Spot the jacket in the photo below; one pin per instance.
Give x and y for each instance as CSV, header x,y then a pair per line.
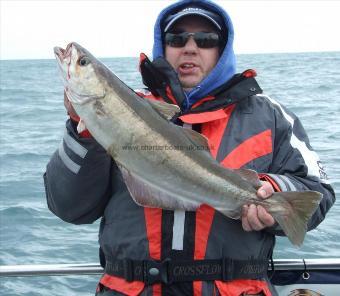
x,y
244,130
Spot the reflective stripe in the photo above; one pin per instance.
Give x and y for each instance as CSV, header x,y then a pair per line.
x,y
284,182
289,183
68,162
310,157
74,145
279,182
178,230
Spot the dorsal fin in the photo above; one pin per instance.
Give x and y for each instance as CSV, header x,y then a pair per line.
x,y
81,126
166,110
169,111
200,141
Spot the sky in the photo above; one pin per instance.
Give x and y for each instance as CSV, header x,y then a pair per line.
x,y
112,28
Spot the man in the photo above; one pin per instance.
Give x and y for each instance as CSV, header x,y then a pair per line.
x,y
153,251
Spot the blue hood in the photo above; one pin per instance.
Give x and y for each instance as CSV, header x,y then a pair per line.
x,y
226,66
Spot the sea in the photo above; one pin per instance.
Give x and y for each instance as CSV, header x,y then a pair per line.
x,y
32,118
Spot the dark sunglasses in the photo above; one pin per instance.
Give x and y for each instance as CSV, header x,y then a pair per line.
x,y
202,39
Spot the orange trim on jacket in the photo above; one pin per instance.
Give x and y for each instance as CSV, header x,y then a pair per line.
x,y
243,287
254,147
203,117
153,222
204,217
214,130
121,285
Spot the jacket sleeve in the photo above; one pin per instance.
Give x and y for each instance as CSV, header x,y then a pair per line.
x,y
77,178
296,166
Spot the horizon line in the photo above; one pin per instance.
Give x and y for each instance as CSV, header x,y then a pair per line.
x,y
237,54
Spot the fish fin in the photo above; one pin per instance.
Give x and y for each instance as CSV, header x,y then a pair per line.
x,y
250,176
200,141
148,194
164,109
81,126
292,210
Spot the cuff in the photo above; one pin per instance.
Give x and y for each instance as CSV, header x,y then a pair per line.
x,y
265,177
282,182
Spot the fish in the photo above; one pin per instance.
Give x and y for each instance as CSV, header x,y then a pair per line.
x,y
165,165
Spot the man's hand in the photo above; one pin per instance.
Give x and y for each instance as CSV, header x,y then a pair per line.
x,y
256,217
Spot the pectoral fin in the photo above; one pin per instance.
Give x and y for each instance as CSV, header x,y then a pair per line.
x,y
148,194
81,126
250,176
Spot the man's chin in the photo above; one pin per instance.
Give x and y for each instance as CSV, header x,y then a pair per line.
x,y
189,85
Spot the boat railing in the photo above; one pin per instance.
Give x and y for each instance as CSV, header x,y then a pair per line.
x,y
95,268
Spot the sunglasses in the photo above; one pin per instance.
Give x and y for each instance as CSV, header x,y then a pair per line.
x,y
202,39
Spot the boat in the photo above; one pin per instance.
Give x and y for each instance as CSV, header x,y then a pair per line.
x,y
291,277
306,277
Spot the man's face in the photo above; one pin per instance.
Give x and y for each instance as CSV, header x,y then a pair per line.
x,y
191,62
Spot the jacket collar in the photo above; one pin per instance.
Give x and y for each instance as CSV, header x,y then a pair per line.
x,y
162,80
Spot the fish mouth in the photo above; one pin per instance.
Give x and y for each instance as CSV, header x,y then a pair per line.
x,y
61,53
64,58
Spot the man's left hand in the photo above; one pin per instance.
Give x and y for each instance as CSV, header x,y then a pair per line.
x,y
255,217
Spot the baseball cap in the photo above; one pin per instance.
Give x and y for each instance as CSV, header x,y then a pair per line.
x,y
213,17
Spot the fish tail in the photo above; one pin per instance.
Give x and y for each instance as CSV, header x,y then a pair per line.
x,y
292,210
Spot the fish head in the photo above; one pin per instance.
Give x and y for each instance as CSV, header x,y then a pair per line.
x,y
79,71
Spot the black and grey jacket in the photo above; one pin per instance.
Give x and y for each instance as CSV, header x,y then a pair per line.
x,y
247,130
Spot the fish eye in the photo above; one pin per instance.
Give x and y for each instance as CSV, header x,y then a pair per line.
x,y
84,61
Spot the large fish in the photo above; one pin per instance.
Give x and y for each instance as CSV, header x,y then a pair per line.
x,y
164,165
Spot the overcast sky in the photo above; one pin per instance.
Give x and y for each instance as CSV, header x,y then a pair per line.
x,y
111,28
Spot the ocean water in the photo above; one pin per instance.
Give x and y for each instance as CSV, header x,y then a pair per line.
x,y
32,120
